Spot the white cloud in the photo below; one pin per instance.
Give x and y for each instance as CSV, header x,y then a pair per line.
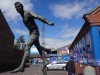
x,y
73,9
66,37
67,32
57,43
34,50
8,9
22,32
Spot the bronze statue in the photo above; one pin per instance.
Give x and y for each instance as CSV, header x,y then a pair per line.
x,y
28,19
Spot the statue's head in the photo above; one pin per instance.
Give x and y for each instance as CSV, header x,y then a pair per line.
x,y
18,6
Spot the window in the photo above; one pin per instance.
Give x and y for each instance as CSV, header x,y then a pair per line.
x,y
89,48
80,51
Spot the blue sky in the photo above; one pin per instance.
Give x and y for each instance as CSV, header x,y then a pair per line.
x,y
66,14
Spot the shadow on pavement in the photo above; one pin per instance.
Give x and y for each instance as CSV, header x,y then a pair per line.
x,y
10,69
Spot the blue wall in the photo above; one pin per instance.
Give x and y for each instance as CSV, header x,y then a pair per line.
x,y
96,42
94,47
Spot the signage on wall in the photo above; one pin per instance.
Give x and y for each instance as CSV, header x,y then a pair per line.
x,y
65,51
53,59
52,54
65,57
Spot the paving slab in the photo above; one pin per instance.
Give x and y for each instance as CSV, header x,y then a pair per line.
x,y
35,70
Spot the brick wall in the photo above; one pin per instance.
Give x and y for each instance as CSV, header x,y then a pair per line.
x,y
8,57
13,61
6,42
81,69
6,49
91,19
17,57
94,19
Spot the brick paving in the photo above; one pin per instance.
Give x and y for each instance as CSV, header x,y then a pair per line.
x,y
34,70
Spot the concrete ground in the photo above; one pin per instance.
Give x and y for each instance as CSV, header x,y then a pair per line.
x,y
35,70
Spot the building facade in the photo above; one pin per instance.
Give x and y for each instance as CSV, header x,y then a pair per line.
x,y
63,52
86,46
6,42
9,57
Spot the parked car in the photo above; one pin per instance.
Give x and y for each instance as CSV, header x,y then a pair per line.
x,y
60,64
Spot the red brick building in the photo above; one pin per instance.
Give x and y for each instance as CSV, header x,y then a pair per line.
x,y
6,42
8,56
86,46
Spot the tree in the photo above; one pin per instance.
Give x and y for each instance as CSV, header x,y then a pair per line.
x,y
20,42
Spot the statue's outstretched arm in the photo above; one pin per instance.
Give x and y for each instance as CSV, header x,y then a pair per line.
x,y
41,18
